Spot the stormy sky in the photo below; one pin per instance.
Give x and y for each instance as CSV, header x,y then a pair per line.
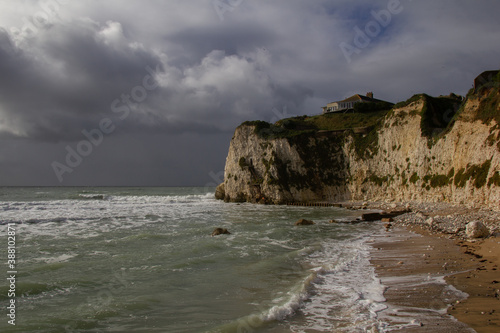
x,y
148,93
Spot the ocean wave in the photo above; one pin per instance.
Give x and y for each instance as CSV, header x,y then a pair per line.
x,y
56,260
286,307
26,289
343,291
294,301
93,196
340,292
172,199
35,221
98,207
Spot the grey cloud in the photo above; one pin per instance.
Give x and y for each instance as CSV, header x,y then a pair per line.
x,y
80,69
65,79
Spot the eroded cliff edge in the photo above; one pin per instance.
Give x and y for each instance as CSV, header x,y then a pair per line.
x,y
426,149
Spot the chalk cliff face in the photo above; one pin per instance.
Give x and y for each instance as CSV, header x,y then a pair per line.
x,y
421,150
284,170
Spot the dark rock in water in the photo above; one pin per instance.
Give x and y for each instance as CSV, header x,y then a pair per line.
x,y
220,231
371,217
304,222
383,215
220,192
346,222
395,212
388,226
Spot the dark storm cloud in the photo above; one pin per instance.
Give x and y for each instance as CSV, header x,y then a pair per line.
x,y
65,79
197,43
207,71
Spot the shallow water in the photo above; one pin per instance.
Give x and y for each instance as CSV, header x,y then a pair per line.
x,y
143,260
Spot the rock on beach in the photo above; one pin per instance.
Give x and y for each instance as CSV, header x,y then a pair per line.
x,y
220,231
476,229
304,222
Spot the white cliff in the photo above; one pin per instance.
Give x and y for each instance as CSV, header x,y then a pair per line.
x,y
399,160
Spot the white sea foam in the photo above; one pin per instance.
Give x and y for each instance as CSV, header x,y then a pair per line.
x,y
97,213
94,196
341,293
344,292
27,300
289,308
58,259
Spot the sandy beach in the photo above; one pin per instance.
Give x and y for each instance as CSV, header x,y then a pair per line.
x,y
437,280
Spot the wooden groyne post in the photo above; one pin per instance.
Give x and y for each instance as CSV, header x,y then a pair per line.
x,y
314,204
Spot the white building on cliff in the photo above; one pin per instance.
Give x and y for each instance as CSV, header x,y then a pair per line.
x,y
348,103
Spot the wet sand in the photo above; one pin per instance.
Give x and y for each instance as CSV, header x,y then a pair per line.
x,y
482,309
427,277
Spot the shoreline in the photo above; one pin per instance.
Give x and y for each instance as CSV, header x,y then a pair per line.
x,y
436,279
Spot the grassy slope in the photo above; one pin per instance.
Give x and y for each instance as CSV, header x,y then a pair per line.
x,y
291,127
343,121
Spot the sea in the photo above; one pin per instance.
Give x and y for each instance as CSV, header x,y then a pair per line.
x,y
142,259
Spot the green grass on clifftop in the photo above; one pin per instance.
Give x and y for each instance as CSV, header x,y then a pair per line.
x,y
292,127
344,121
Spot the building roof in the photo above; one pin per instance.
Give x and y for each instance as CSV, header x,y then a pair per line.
x,y
359,97
353,99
